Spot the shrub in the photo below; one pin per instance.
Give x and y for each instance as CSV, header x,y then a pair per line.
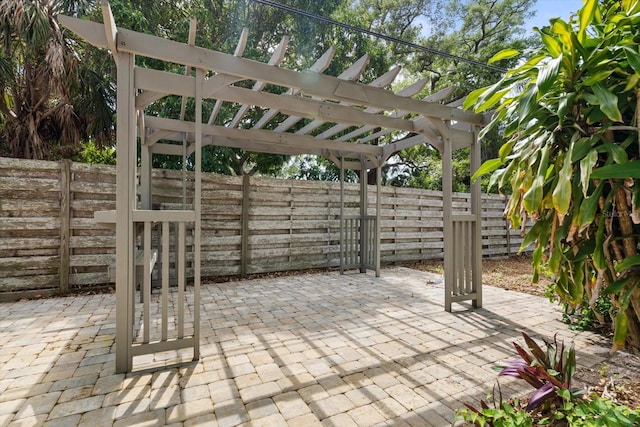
x,y
553,402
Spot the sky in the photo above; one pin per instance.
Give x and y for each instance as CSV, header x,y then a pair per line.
x,y
547,9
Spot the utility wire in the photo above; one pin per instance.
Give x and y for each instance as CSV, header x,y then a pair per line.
x,y
378,35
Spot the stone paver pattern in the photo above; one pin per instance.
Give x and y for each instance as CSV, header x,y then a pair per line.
x,y
303,350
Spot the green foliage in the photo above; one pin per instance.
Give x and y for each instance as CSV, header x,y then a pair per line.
x,y
593,412
460,35
92,153
550,372
477,30
49,99
319,169
587,317
568,115
554,403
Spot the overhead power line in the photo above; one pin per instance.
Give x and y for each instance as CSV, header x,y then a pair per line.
x,y
378,35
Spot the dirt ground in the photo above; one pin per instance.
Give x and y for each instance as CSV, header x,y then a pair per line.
x,y
618,378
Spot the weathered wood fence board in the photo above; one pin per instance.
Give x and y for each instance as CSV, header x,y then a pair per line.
x,y
49,241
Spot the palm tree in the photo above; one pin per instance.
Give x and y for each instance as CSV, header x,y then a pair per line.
x,y
49,99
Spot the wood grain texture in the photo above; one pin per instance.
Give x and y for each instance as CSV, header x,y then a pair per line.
x,y
288,225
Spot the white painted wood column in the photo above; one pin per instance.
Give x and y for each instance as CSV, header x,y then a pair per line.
x,y
476,209
197,206
343,246
364,205
378,215
447,220
146,188
126,155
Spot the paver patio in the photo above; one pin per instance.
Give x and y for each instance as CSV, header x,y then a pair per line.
x,y
306,350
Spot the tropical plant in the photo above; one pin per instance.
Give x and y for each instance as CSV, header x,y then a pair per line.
x,y
554,402
550,372
569,115
49,101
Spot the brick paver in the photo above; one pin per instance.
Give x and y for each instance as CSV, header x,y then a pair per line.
x,y
299,351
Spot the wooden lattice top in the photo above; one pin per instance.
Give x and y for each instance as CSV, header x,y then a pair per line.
x,y
351,114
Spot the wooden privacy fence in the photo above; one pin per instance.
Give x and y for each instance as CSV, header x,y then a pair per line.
x,y
50,242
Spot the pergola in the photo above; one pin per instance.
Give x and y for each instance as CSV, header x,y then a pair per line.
x,y
351,115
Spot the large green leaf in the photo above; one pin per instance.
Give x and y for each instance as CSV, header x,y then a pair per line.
x,y
490,101
599,260
627,263
532,199
586,166
553,47
562,193
616,287
576,284
487,167
633,57
505,149
547,75
504,54
615,151
528,103
563,105
587,14
620,171
597,77
471,99
582,146
632,82
608,102
621,327
589,207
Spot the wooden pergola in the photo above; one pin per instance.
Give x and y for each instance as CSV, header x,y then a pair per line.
x,y
351,115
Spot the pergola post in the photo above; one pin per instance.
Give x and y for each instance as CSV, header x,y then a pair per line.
x,y
145,167
197,207
364,204
447,220
126,154
343,246
462,233
378,216
476,209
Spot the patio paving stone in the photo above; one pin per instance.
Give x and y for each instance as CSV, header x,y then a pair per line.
x,y
299,351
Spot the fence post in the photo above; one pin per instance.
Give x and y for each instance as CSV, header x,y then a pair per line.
x,y
506,224
65,223
244,251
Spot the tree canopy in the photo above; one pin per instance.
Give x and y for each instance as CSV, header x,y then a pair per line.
x,y
51,99
68,104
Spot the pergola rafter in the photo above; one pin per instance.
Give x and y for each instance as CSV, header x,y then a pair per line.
x,y
355,125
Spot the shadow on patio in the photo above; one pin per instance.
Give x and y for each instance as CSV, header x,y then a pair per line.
x,y
313,349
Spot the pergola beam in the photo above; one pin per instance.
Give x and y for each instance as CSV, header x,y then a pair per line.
x,y
313,84
352,73
384,80
319,66
278,139
276,59
159,81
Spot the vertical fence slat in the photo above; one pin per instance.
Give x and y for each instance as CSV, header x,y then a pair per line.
x,y
145,286
181,277
65,224
244,233
165,279
468,258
